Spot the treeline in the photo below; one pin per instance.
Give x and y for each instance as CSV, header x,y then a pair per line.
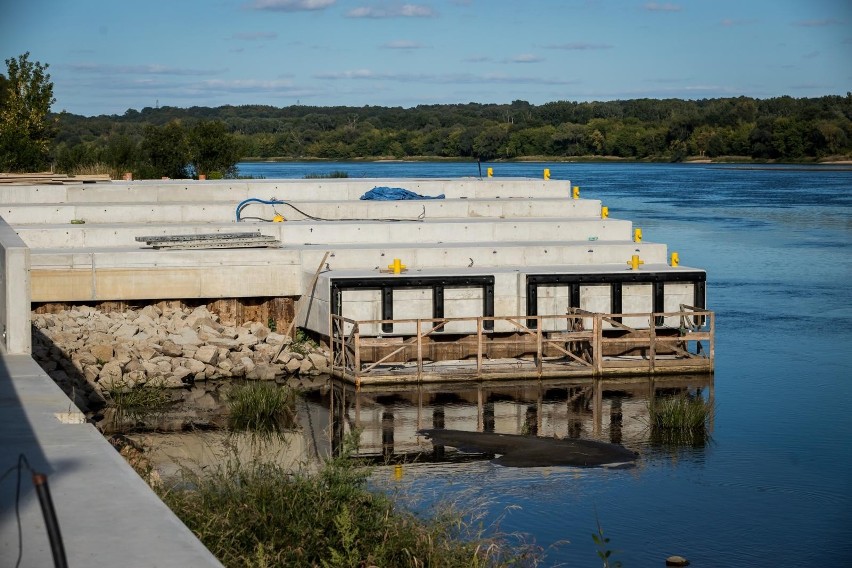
x,y
151,151
783,129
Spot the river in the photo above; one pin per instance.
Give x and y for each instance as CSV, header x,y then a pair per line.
x,y
772,487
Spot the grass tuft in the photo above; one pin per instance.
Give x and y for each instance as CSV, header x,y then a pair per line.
x,y
329,175
261,407
680,420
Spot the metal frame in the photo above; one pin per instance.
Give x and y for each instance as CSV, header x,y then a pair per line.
x,y
437,284
616,282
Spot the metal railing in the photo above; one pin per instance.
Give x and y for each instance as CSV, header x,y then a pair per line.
x,y
537,346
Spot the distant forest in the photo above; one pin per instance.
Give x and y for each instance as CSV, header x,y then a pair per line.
x,y
780,129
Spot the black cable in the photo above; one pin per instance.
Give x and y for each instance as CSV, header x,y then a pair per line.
x,y
49,513
420,217
313,218
22,459
54,535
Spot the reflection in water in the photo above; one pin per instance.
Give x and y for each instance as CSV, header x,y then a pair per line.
x,y
389,417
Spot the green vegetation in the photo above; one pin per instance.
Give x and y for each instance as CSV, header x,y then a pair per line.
x,y
680,420
26,129
741,128
261,515
261,407
604,552
139,399
330,175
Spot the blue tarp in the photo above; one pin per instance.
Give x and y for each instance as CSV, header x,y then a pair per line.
x,y
395,194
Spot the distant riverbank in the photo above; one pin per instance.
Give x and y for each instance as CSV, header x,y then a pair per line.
x,y
832,160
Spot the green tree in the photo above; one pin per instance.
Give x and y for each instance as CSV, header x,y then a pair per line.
x,y
213,149
167,150
25,128
491,142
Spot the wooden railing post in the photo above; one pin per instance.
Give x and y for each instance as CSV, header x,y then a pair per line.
x,y
419,353
652,343
479,347
597,343
712,320
539,348
356,337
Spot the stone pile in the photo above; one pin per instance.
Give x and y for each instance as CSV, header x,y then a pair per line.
x,y
91,353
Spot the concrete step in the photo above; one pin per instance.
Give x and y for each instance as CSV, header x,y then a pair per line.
x,y
194,212
123,273
169,191
473,230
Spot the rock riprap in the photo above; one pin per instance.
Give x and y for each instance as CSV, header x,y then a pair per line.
x,y
91,353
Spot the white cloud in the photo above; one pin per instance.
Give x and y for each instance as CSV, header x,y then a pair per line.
x,y
817,23
579,46
391,10
525,58
254,36
151,69
290,5
402,44
667,7
441,78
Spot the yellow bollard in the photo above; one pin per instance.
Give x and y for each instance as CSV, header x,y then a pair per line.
x,y
576,193
279,218
634,262
637,235
397,472
490,172
397,266
604,212
675,259
546,173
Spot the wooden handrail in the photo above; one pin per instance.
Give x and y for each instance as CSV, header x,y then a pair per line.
x,y
346,348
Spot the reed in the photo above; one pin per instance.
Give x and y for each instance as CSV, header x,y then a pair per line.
x,y
680,412
328,175
139,399
97,168
261,407
261,515
680,420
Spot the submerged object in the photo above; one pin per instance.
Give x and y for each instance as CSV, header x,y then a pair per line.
x,y
532,451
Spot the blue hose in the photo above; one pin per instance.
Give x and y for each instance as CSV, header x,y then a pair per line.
x,y
245,202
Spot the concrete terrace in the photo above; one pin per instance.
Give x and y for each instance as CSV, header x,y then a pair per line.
x,y
481,224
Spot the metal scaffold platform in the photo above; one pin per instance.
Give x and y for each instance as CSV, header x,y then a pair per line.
x,y
211,241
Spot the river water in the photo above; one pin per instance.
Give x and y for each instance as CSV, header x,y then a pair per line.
x,y
773,485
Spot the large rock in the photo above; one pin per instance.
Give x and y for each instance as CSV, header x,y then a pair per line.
x,y
208,354
126,330
178,378
152,312
306,366
171,349
247,340
292,366
277,339
198,314
247,364
194,365
111,377
187,336
320,362
102,352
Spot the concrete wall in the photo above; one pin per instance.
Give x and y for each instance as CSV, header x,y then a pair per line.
x,y
234,191
14,292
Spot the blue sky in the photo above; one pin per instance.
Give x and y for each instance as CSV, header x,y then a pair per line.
x,y
107,56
